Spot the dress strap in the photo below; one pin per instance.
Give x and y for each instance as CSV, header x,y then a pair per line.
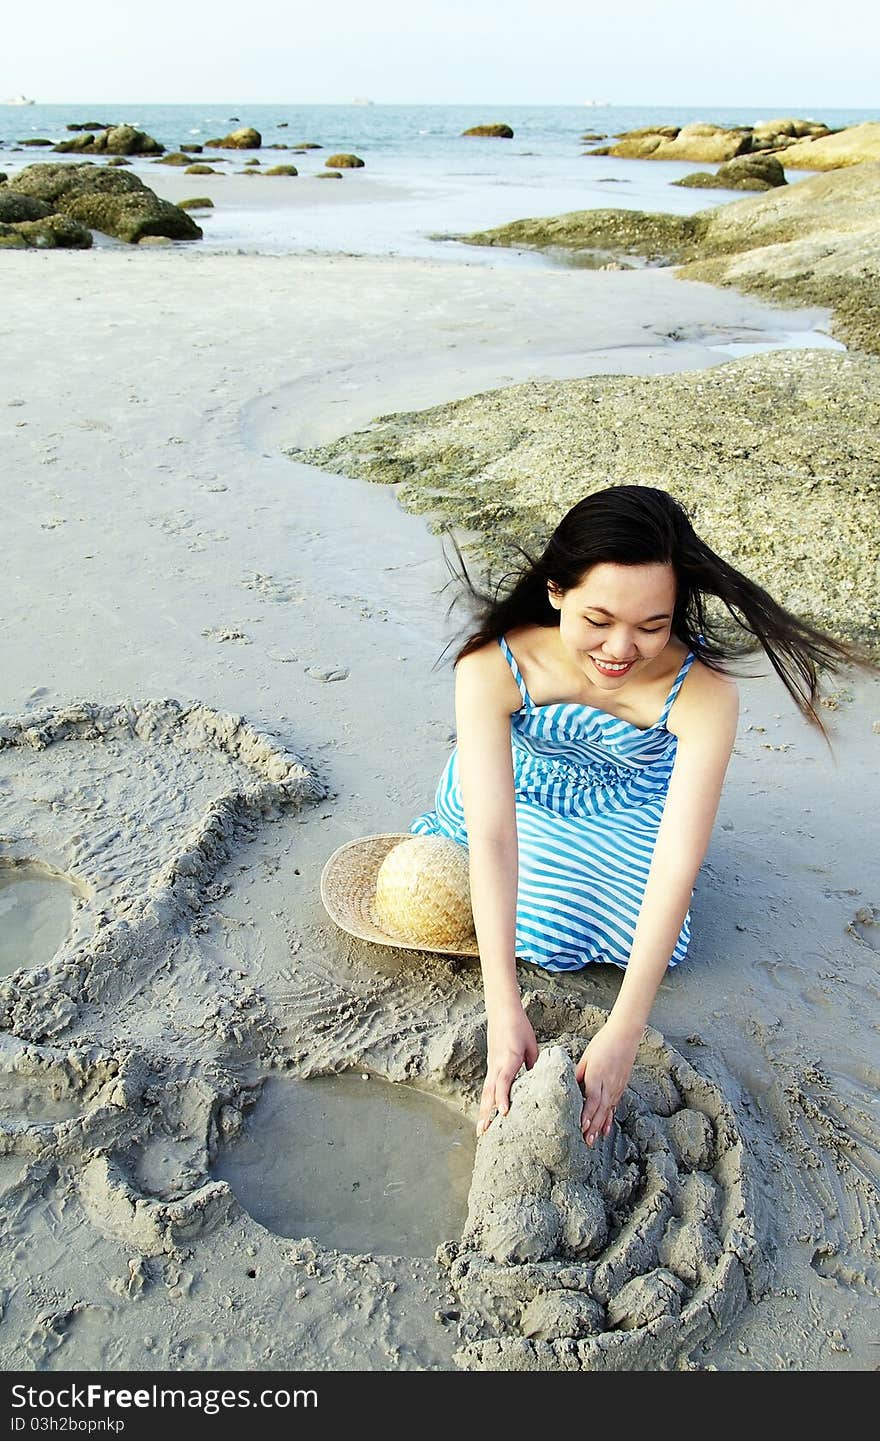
x,y
677,684
511,661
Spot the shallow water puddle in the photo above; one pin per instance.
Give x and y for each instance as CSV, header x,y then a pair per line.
x,y
360,1166
35,911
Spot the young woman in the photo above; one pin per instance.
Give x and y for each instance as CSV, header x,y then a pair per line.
x,y
595,722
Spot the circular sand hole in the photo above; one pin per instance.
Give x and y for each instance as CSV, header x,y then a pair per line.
x,y
36,905
360,1166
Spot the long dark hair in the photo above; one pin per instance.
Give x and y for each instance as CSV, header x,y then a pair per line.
x,y
641,525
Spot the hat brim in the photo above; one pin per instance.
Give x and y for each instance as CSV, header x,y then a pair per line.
x,y
348,889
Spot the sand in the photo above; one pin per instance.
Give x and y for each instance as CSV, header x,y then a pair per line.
x,y
217,668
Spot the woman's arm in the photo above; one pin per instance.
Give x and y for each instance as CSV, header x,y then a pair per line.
x,y
482,711
705,723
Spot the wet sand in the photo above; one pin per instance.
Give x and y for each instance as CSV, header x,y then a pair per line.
x,y
164,549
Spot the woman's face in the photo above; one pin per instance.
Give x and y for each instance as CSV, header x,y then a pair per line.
x,y
616,619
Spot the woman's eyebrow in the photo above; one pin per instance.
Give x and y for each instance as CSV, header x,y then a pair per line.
x,y
602,611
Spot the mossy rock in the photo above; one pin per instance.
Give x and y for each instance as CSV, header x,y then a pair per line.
x,y
497,132
192,149
343,162
92,125
118,160
176,157
281,170
36,142
244,139
659,238
329,175
200,170
307,145
117,140
112,201
198,202
746,172
15,207
252,162
3,177
131,217
53,232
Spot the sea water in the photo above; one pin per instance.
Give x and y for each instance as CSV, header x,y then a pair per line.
x,y
422,179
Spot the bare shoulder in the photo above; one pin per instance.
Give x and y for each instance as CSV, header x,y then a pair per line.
x,y
707,704
484,678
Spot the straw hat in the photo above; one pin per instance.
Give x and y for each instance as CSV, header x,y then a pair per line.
x,y
402,890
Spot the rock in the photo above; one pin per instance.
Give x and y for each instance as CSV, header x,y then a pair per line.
x,y
198,202
281,170
329,175
308,145
855,146
657,237
499,132
646,1299
343,162
772,132
176,157
117,140
3,177
15,207
155,240
36,142
92,125
591,135
745,172
813,243
200,170
118,160
252,162
111,201
192,149
693,142
244,139
52,233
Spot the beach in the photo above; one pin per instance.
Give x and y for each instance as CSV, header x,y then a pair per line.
x,y
219,665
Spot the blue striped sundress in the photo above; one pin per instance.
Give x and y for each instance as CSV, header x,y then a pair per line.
x,y
590,790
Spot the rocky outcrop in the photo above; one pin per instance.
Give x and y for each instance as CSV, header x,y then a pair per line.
x,y
692,142
117,140
498,132
201,170
778,134
344,162
858,145
745,172
37,143
51,233
112,201
92,125
816,242
15,207
281,170
777,454
244,139
608,234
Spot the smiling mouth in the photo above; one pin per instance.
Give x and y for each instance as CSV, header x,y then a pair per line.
x,y
605,669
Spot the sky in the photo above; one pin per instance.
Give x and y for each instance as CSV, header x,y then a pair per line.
x,y
782,54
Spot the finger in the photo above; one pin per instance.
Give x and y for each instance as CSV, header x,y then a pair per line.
x,y
531,1054
593,1115
600,1125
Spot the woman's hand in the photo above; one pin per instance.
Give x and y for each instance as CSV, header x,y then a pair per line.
x,y
510,1042
602,1073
